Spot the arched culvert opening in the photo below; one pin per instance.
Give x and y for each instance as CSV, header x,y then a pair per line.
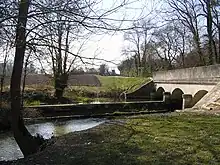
x,y
159,94
176,99
200,94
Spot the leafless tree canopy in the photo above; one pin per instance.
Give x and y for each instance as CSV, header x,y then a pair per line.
x,y
186,34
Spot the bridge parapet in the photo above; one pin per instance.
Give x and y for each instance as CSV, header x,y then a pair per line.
x,y
213,81
186,86
195,74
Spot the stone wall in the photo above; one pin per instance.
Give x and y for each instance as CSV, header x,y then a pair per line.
x,y
211,100
142,93
211,72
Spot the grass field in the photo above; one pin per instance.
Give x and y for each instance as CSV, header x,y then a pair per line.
x,y
141,140
122,83
111,88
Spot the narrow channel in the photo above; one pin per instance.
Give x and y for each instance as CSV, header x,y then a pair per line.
x,y
9,149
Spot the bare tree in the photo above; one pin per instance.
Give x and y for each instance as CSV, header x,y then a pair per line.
x,y
207,13
216,22
167,46
25,73
139,39
29,31
183,42
56,33
186,11
21,134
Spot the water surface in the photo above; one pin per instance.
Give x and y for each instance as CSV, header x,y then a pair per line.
x,y
9,149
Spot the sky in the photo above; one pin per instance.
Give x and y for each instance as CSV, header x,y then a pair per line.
x,y
109,46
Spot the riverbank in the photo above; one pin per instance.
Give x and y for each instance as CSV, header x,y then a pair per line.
x,y
177,138
109,90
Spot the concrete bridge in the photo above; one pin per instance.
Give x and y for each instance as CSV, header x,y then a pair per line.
x,y
184,87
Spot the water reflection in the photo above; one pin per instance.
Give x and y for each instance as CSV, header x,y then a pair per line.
x,y
9,149
44,129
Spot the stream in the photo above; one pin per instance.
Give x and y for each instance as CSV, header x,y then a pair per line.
x,y
9,149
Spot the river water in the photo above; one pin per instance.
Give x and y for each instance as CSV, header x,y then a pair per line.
x,y
9,149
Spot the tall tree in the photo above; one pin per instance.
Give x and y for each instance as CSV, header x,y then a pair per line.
x,y
103,70
30,24
26,142
167,50
186,11
60,35
138,39
127,67
216,22
207,9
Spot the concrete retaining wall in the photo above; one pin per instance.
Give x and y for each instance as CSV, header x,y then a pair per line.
x,y
142,93
101,108
203,72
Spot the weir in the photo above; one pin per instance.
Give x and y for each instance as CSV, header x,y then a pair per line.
x,y
168,90
94,109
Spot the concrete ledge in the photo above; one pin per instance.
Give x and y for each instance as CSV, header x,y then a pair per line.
x,y
107,115
96,109
196,82
142,93
202,72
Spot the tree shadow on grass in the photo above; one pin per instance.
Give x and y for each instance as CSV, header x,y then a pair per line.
x,y
104,145
137,143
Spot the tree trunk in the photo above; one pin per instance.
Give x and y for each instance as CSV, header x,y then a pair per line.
x,y
199,51
136,65
24,79
26,142
209,31
219,43
60,85
215,51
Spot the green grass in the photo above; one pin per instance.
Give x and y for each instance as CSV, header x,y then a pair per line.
x,y
32,102
111,87
122,83
110,90
184,139
156,139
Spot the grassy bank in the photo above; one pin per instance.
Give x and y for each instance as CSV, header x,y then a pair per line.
x,y
111,88
155,139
